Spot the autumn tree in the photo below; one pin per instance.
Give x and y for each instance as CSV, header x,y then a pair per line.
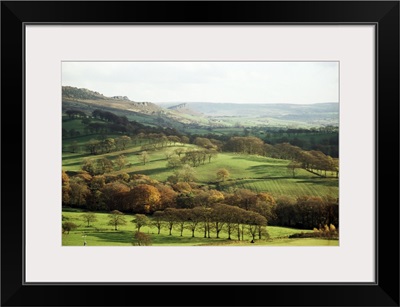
x,y
195,217
230,216
120,161
266,206
93,146
137,179
222,174
89,166
95,200
170,216
140,220
88,217
185,139
285,211
104,165
174,162
78,192
292,167
157,220
168,154
182,216
204,142
193,157
173,139
245,198
215,196
309,210
116,218
68,226
144,198
205,217
168,196
186,173
245,145
144,157
254,223
179,151
218,217
114,195
85,176
287,151
66,188
123,177
108,144
123,141
211,153
331,210
141,239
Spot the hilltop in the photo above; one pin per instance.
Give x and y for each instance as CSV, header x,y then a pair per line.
x,y
203,115
84,98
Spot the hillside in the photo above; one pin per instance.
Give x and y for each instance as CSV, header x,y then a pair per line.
x,y
195,115
317,114
73,96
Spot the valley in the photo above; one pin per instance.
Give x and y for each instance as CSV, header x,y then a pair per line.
x,y
277,165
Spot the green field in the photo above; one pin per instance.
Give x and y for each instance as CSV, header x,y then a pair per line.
x,y
257,173
101,234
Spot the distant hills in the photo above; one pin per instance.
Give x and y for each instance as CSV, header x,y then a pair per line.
x,y
75,96
258,109
205,114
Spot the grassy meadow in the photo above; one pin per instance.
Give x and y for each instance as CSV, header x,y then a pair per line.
x,y
99,233
261,174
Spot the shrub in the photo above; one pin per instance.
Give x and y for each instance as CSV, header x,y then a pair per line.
x,y
141,239
68,226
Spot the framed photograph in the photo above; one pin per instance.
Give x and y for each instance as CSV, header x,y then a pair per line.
x,y
242,149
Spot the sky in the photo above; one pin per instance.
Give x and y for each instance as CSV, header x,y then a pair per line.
x,y
238,82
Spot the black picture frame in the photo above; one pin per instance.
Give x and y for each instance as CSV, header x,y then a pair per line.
x,y
383,14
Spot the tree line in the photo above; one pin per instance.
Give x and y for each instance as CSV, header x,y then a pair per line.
x,y
112,123
313,160
140,194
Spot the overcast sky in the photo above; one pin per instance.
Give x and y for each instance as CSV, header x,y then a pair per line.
x,y
239,82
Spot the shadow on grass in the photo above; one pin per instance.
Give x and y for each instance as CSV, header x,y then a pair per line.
x,y
73,163
126,237
154,171
116,237
76,156
300,179
323,182
178,240
261,159
264,169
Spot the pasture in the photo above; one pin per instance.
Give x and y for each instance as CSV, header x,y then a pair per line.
x,y
99,233
257,173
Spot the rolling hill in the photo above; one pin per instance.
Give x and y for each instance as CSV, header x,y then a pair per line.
x,y
204,114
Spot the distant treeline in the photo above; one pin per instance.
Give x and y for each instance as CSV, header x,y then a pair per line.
x,y
158,136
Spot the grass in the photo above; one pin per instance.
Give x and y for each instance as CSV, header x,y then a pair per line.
x,y
102,234
287,186
257,173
